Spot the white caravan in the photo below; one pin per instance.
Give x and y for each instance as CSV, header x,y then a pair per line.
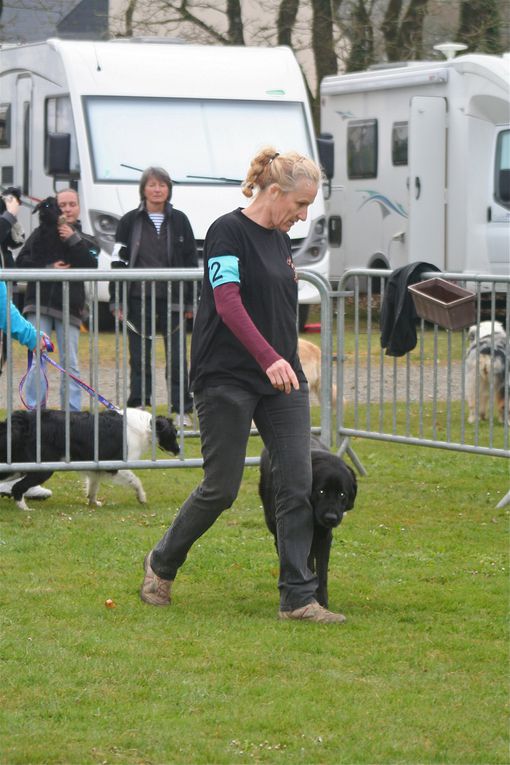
x,y
421,166
95,114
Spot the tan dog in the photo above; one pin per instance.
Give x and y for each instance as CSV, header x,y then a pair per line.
x,y
310,357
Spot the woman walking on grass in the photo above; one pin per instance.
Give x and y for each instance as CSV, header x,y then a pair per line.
x,y
244,367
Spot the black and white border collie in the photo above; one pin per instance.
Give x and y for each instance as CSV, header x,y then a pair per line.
x,y
81,445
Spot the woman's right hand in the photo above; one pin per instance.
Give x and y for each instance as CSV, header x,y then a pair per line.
x,y
12,205
45,344
282,376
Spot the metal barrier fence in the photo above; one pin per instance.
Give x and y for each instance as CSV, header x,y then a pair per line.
x,y
419,399
104,360
425,397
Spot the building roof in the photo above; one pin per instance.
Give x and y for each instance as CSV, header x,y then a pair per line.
x,y
31,20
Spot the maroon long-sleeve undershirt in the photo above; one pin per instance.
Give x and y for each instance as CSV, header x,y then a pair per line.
x,y
233,314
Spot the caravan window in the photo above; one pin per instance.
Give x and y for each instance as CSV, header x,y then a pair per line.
x,y
5,125
199,141
502,174
399,135
362,149
59,119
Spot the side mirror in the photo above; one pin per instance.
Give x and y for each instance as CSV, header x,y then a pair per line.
x,y
58,155
326,148
504,186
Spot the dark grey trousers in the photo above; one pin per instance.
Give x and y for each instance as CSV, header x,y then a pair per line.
x,y
140,390
225,414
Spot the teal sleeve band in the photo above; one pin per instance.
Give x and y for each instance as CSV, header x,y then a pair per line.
x,y
223,269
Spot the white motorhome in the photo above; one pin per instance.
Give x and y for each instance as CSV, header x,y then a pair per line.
x,y
421,165
95,114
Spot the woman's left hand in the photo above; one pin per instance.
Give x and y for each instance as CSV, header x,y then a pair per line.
x,y
282,376
65,231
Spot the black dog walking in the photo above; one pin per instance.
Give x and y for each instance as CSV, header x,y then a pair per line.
x,y
334,488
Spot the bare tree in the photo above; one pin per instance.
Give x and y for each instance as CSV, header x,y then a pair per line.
x,y
323,44
402,29
358,28
287,14
129,17
480,25
327,35
235,22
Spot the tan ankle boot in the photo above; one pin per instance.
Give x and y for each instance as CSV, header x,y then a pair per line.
x,y
154,590
313,612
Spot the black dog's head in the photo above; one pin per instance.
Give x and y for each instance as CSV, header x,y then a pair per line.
x,y
49,212
167,434
334,488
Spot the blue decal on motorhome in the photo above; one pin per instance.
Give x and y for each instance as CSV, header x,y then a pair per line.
x,y
386,205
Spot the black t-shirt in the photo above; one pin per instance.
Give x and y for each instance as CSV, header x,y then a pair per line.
x,y
268,287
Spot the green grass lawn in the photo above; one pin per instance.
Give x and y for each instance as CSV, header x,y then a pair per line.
x,y
418,674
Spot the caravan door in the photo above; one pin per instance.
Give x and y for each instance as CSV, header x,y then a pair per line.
x,y
427,180
498,214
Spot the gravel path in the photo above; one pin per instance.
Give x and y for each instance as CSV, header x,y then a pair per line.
x,y
432,382
400,385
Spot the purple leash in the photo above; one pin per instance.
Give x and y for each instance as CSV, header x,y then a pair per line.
x,y
45,358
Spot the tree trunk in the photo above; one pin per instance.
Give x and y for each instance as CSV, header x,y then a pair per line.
x,y
389,28
287,14
411,31
322,39
362,40
235,22
403,38
323,47
129,17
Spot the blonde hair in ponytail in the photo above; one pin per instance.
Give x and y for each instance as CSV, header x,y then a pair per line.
x,y
268,167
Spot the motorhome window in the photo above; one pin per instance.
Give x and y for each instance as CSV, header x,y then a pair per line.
x,y
399,135
212,140
362,149
502,174
5,125
59,119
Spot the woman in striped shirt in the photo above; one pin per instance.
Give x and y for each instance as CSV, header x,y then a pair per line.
x,y
155,235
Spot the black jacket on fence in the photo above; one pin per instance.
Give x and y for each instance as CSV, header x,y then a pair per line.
x,y
398,315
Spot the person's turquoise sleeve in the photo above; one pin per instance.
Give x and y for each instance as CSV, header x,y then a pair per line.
x,y
21,329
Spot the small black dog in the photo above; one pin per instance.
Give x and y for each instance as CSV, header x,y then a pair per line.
x,y
334,488
82,440
47,244
49,212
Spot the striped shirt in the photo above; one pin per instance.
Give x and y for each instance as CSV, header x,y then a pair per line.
x,y
157,219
